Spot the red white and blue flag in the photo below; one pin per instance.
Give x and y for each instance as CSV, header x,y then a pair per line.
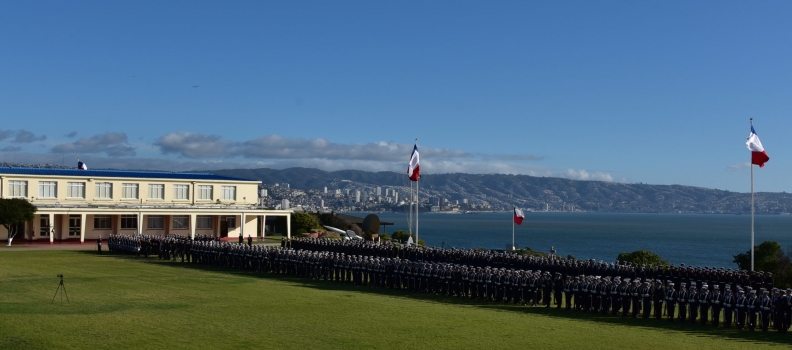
x,y
758,154
518,216
81,165
414,169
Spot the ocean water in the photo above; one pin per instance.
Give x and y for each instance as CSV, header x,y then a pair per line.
x,y
692,239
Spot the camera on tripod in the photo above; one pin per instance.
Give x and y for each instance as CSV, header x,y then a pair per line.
x,y
61,289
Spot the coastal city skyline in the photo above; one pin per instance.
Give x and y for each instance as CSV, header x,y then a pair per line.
x,y
649,93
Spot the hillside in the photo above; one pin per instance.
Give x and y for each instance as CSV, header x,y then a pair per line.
x,y
536,193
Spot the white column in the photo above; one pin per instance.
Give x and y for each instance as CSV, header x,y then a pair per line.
x,y
263,227
242,228
51,228
140,223
82,228
288,226
193,224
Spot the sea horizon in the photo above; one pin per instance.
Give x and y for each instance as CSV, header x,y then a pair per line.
x,y
680,238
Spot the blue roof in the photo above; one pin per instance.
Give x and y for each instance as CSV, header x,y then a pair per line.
x,y
117,173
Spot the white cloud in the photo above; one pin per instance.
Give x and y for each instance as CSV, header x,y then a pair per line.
x,y
20,136
577,174
211,152
194,145
113,144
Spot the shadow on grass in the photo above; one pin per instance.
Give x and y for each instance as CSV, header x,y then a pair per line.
x,y
696,329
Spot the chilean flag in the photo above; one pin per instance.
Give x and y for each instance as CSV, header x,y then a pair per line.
x,y
518,216
414,169
758,154
81,165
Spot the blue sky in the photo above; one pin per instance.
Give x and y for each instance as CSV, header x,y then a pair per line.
x,y
652,92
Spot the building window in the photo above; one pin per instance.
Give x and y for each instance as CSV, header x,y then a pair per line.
x,y
156,191
181,192
229,193
155,222
103,222
44,226
129,222
75,225
129,191
48,189
75,190
181,222
104,190
231,220
205,192
204,222
17,189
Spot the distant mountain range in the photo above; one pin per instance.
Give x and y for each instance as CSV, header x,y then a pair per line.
x,y
535,193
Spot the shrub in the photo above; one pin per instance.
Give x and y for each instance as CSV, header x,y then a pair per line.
x,y
642,257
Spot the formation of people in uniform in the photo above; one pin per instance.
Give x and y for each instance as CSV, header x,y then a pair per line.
x,y
709,296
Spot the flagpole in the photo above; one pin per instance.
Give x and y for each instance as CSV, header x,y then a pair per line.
x,y
752,210
514,210
417,201
410,215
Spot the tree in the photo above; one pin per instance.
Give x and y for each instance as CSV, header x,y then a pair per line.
x,y
13,212
766,257
769,257
334,221
303,222
642,257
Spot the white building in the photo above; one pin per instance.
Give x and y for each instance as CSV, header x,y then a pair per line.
x,y
285,204
88,204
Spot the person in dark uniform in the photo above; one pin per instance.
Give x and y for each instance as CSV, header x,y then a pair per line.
x,y
693,302
716,303
558,287
729,303
753,308
99,245
671,299
241,239
626,295
547,289
635,292
741,309
568,292
659,295
765,306
250,241
704,304
646,299
682,301
778,310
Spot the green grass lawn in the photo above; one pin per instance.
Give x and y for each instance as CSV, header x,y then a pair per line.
x,y
122,302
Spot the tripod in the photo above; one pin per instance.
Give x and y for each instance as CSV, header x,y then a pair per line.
x,y
62,290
